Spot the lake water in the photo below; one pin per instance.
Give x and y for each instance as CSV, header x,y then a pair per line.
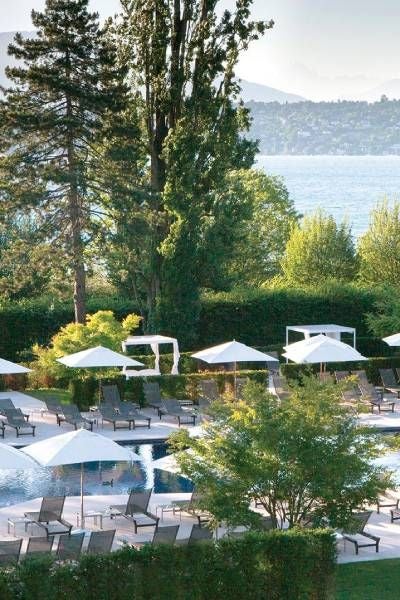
x,y
20,486
345,186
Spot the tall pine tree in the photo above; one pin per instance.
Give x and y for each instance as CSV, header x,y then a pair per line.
x,y
182,57
52,121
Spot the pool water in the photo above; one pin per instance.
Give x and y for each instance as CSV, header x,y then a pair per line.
x,y
20,486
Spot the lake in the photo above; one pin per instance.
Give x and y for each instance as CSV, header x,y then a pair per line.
x,y
345,186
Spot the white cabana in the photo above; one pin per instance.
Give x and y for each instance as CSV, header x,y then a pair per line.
x,y
154,342
76,447
321,349
332,331
392,340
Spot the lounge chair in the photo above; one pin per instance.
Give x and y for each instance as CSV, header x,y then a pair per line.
x,y
139,419
10,551
100,542
16,420
72,415
361,376
376,400
50,516
362,539
389,381
137,511
192,507
241,382
8,404
326,377
340,375
111,396
54,407
388,500
110,415
70,548
208,390
172,408
39,546
162,535
153,398
198,535
281,387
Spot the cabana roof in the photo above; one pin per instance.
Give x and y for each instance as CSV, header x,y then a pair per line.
x,y
316,329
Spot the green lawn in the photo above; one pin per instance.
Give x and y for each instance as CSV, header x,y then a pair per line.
x,y
372,580
63,396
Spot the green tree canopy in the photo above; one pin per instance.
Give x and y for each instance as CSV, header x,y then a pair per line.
x,y
261,239
181,56
318,250
304,459
379,247
65,84
100,329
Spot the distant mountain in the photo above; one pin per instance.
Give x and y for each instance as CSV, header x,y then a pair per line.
x,y
257,92
390,88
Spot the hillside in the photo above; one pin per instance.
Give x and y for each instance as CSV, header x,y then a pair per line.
x,y
257,92
327,127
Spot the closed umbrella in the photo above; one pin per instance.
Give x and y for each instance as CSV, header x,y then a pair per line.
x,y
233,352
321,349
76,447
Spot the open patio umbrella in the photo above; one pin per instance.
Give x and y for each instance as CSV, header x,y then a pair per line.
x,y
232,352
98,357
392,340
11,458
10,368
321,349
76,447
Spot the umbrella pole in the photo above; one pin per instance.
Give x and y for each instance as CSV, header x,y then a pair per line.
x,y
234,381
81,494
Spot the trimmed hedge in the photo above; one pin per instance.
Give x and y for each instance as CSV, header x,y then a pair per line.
x,y
290,565
85,393
257,317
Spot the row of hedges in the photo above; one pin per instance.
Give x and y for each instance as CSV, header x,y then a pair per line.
x,y
256,317
85,392
277,565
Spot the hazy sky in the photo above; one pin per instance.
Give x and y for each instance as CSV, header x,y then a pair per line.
x,y
318,48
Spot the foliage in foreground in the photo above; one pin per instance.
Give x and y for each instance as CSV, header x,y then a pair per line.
x,y
306,459
290,565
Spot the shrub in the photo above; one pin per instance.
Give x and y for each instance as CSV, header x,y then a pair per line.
x,y
290,565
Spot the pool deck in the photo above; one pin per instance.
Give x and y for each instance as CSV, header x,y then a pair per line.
x,y
379,525
46,425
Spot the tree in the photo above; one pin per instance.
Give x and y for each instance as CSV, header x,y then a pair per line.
x,y
318,250
182,58
385,320
304,459
65,84
262,238
100,329
379,247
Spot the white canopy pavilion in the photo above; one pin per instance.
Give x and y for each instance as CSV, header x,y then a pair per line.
x,y
331,330
154,342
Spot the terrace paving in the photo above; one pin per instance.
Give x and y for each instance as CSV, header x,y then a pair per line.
x,y
46,425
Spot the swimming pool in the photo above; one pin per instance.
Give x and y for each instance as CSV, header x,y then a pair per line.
x,y
100,478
